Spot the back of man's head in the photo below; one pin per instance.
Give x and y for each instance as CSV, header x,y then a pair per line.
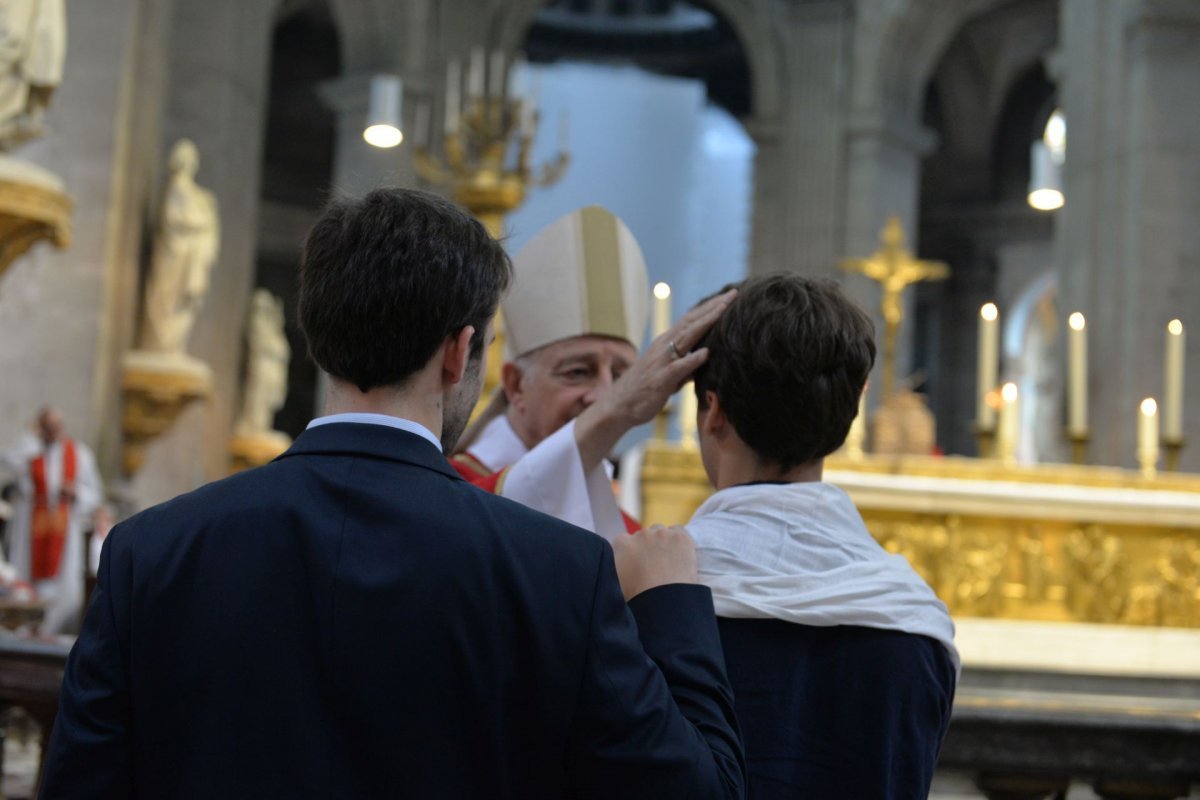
x,y
387,277
788,361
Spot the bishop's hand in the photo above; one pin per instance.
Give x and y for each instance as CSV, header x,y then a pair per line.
x,y
646,386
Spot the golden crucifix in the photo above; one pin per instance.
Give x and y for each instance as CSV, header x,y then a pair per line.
x,y
894,268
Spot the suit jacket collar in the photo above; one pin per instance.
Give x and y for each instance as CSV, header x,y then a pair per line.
x,y
372,441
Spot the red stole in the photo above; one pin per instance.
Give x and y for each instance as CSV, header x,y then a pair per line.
x,y
474,472
50,523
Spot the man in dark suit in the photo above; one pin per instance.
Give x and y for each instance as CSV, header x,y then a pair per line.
x,y
356,621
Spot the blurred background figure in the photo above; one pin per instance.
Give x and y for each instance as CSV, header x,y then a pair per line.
x,y
58,490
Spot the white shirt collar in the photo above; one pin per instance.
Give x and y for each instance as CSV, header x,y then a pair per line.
x,y
498,445
380,419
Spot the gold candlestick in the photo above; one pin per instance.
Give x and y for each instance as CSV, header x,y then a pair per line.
x,y
986,438
475,166
1079,444
1173,448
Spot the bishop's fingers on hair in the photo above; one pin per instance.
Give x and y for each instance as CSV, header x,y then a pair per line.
x,y
681,369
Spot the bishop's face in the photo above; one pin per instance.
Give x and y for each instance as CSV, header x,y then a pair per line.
x,y
554,384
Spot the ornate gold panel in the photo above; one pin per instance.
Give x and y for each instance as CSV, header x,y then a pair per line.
x,y
1108,547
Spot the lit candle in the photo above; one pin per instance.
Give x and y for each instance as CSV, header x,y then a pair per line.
x,y
662,308
1173,382
518,76
857,436
475,74
987,365
1006,435
453,95
528,119
1077,367
496,76
687,416
1147,435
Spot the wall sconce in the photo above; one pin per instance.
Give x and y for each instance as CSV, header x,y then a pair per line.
x,y
383,112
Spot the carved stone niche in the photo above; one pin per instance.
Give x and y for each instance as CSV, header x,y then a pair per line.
x,y
156,388
33,207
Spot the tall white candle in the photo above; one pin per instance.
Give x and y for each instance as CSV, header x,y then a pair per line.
x,y
518,77
1173,382
496,75
987,366
453,95
687,416
1009,427
662,308
857,436
1077,370
1147,434
475,74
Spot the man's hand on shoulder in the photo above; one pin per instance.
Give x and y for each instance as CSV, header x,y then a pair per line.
x,y
654,556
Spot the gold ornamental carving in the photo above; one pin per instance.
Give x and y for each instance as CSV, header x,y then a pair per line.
x,y
31,212
1059,543
255,449
155,393
486,163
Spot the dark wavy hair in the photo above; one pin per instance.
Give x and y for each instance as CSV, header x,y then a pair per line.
x,y
385,278
788,361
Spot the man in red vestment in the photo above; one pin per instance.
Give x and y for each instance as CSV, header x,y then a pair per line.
x,y
574,316
59,489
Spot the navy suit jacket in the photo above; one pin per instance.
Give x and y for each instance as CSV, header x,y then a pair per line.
x,y
354,620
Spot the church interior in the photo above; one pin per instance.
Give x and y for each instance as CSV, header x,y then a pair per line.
x,y
1010,187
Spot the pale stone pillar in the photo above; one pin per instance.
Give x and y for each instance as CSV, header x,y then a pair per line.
x,y
216,96
66,316
769,217
1128,242
883,173
798,170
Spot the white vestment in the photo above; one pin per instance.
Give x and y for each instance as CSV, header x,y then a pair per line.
x,y
550,477
63,594
800,552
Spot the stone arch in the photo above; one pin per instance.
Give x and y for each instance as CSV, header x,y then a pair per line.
x,y
760,42
367,33
910,38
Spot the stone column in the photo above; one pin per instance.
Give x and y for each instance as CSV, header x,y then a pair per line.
x,y
1128,244
883,173
216,96
66,316
798,174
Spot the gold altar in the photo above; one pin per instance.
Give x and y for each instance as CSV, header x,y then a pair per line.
x,y
1048,542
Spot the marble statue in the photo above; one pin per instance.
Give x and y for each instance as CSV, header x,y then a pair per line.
x,y
266,365
186,243
33,43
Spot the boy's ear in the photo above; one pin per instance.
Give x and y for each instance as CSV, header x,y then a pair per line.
x,y
714,420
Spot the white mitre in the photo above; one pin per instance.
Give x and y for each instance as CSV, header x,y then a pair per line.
x,y
583,274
